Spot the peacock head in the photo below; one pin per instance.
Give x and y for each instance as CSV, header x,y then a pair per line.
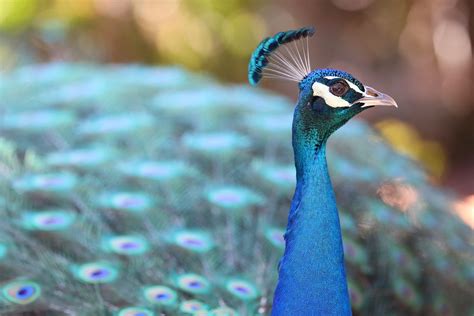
x,y
328,98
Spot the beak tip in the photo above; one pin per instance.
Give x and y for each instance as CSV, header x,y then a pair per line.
x,y
375,98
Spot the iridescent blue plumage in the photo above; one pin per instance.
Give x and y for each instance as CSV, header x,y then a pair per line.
x,y
321,73
312,277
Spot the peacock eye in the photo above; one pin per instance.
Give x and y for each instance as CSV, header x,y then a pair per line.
x,y
339,88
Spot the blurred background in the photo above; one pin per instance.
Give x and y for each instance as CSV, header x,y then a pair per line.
x,y
418,51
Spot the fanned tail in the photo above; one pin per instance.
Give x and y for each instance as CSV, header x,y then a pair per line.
x,y
176,205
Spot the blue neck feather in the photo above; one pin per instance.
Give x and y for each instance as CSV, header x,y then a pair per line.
x,y
312,278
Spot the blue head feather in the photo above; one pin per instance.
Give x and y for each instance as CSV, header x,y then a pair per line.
x,y
259,58
318,73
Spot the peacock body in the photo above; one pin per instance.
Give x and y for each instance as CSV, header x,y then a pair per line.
x,y
131,190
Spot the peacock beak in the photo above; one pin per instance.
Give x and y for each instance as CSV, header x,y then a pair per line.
x,y
375,98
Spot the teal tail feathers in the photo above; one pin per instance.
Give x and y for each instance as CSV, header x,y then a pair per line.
x,y
177,205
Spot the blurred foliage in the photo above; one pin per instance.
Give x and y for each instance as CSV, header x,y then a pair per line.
x,y
195,33
17,14
407,140
419,51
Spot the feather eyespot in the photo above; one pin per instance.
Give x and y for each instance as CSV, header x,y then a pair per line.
x,y
128,245
242,289
160,295
339,88
193,283
135,311
21,292
96,272
193,307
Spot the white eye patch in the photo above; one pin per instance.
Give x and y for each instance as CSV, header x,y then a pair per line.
x,y
321,90
353,86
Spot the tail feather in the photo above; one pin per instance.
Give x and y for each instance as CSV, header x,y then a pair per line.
x,y
168,194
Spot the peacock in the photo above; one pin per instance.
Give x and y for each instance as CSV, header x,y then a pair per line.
x,y
132,190
312,277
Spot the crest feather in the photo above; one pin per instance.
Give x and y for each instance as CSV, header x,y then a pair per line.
x,y
271,61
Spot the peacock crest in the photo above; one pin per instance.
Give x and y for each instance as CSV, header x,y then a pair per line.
x,y
283,56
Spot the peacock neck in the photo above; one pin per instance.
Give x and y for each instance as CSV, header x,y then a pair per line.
x,y
312,279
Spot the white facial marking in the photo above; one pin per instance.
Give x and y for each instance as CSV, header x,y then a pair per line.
x,y
321,90
353,86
